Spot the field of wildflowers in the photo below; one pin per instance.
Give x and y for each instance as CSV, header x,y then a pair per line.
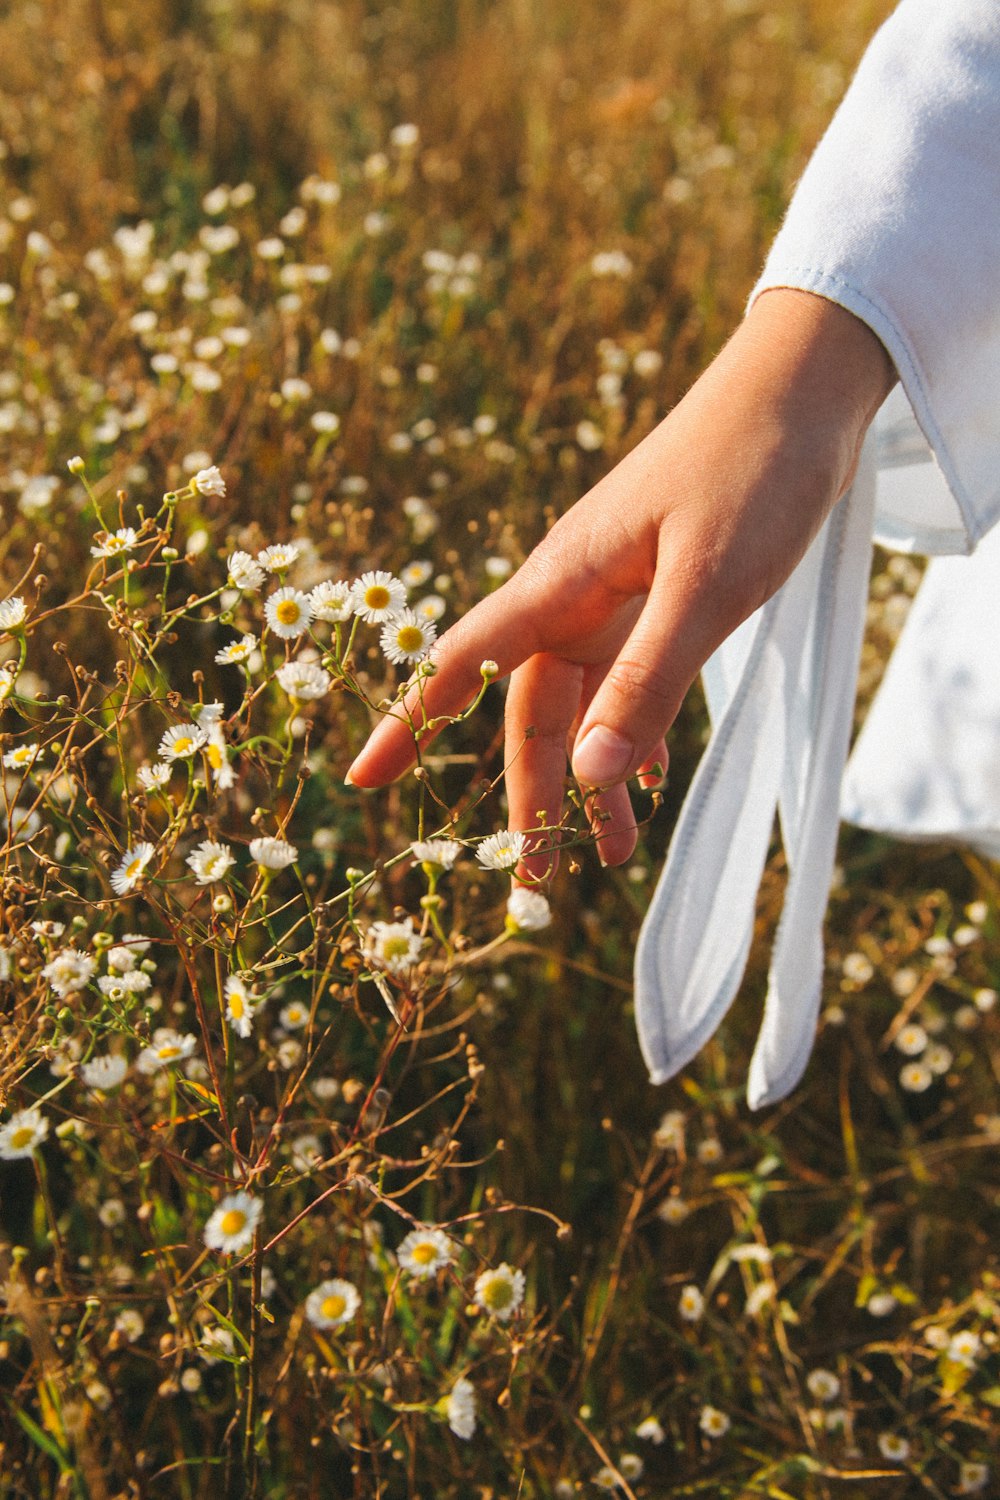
x,y
328,1167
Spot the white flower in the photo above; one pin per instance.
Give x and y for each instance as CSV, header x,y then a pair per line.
x,y
272,853
240,1005
431,608
911,1039
461,1407
294,1015
121,986
332,1303
306,1153
589,436
210,861
237,652
713,1423
691,1305
217,754
424,1251
23,1133
916,1077
881,1304
858,968
325,422
440,852
669,1134
304,680
393,946
115,542
278,557
417,572
823,1384
332,602
406,638
964,1347
938,1058
209,483
244,571
69,971
288,611
131,867
13,612
22,756
501,851
153,778
378,596
650,1429
972,1478
167,1048
528,910
893,1448
130,1324
500,1292
104,1073
181,741
231,1227
630,1466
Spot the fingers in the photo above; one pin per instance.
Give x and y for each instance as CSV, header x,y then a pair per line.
x,y
543,701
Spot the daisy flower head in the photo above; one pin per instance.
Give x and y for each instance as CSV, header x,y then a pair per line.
x,y
273,854
713,1422
13,612
378,596
230,1229
916,1078
823,1385
23,1133
424,1251
237,652
240,1003
407,638
393,946
288,612
69,972
294,1015
501,851
500,1292
245,572
181,741
441,853
104,1072
332,1304
973,1478
431,608
332,601
304,681
528,910
167,1049
131,868
278,558
911,1039
22,756
893,1448
209,483
210,861
461,1408
115,542
153,778
691,1305
417,572
964,1348
650,1429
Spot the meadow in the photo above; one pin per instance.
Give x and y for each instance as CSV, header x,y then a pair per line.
x,y
327,1167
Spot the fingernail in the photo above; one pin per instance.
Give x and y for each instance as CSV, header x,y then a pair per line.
x,y
602,756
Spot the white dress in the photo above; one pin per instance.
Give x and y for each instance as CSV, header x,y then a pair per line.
x,y
897,218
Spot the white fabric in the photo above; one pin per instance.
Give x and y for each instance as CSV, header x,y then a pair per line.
x,y
897,218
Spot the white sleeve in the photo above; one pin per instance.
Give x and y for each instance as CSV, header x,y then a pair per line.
x,y
897,218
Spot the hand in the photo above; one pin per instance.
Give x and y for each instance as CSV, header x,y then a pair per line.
x,y
612,616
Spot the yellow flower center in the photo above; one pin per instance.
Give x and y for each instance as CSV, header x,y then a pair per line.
x,y
214,753
377,596
498,1292
334,1306
236,1007
184,745
288,612
396,947
233,1221
410,638
167,1052
22,1137
115,543
425,1253
133,867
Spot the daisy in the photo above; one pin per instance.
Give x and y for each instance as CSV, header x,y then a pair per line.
x,y
104,1073
273,854
131,867
501,851
378,596
304,681
22,756
527,910
332,1303
288,612
911,1040
240,1004
440,852
417,572
431,608
13,612
130,1324
461,1408
216,1344
673,1210
23,1133
121,959
153,778
405,638
916,1077
713,1423
650,1429
500,1292
294,1015
393,946
893,1448
69,971
231,1227
115,542
972,1478
237,652
245,573
332,602
823,1385
167,1048
209,483
692,1304
964,1347
630,1466
121,986
279,557
181,742
306,1153
210,861
424,1251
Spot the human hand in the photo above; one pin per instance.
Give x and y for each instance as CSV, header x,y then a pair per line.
x,y
614,613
